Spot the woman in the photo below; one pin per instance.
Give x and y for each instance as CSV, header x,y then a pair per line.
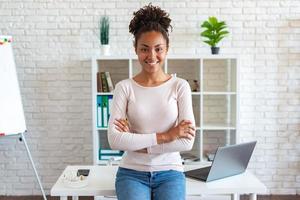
x,y
152,117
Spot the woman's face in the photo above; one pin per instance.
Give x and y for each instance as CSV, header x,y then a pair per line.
x,y
151,50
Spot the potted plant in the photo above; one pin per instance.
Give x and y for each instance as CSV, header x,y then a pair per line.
x,y
214,31
104,35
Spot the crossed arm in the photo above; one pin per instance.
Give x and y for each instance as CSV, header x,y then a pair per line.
x,y
184,129
177,138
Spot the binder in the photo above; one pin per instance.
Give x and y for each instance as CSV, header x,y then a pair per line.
x,y
110,99
104,111
103,103
107,154
99,111
110,152
109,157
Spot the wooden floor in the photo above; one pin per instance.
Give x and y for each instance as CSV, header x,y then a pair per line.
x,y
260,197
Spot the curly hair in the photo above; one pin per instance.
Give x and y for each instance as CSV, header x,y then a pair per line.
x,y
150,18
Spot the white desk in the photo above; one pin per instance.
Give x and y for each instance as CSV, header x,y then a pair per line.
x,y
102,183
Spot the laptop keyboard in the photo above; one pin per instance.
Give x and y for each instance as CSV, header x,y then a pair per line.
x,y
203,171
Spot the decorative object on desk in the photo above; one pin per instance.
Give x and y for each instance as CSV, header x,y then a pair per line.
x,y
83,172
70,179
210,156
188,157
214,31
104,36
12,118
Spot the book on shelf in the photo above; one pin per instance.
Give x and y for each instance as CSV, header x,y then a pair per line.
x,y
104,82
99,82
109,82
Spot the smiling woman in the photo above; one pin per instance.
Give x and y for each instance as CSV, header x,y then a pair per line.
x,y
151,117
150,27
151,50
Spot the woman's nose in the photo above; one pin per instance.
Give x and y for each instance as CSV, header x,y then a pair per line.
x,y
152,54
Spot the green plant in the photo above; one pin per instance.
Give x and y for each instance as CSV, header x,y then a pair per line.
x,y
104,30
214,31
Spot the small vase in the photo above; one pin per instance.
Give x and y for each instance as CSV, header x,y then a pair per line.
x,y
105,49
215,50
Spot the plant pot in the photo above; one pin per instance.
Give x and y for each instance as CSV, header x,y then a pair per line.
x,y
105,49
215,50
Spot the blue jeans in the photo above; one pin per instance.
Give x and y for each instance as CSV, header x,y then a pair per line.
x,y
160,185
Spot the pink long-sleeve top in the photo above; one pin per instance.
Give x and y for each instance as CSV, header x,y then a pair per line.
x,y
150,110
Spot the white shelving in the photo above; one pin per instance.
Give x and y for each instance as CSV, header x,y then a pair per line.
x,y
215,105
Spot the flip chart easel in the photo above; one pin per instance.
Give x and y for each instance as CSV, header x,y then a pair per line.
x,y
12,119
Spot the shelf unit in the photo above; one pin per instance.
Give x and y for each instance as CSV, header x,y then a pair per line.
x,y
215,104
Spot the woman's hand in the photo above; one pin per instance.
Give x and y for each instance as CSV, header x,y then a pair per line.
x,y
122,125
184,129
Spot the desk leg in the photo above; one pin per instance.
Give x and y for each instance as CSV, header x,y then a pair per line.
x,y
63,198
234,196
253,196
75,198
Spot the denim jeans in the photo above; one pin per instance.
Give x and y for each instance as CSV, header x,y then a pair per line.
x,y
160,185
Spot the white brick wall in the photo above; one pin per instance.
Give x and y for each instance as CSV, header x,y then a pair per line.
x,y
53,42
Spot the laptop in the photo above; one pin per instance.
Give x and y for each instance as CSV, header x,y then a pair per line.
x,y
228,161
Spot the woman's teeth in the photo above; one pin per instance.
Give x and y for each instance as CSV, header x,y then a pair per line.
x,y
152,63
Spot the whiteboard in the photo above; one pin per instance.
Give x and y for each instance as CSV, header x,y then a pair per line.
x,y
12,119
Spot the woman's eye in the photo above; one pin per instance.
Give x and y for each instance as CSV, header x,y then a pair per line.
x,y
144,50
159,49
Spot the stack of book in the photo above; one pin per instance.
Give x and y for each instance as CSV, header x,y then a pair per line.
x,y
104,103
104,82
109,154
